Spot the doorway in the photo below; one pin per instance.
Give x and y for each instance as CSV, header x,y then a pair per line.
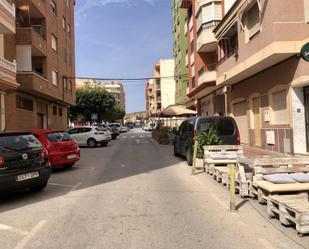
x,y
256,120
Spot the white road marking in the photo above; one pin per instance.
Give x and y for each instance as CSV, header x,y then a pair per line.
x,y
60,185
31,234
76,186
9,228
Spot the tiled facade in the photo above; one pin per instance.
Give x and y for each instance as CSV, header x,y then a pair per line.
x,y
43,47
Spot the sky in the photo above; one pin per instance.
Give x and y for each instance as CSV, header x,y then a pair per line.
x,y
123,39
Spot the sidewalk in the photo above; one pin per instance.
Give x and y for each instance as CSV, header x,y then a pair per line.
x,y
258,152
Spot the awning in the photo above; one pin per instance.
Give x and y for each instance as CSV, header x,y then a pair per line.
x,y
176,110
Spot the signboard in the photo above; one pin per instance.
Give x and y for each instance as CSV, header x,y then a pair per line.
x,y
94,116
304,52
270,137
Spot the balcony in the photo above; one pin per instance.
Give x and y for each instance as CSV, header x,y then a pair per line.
x,y
30,36
7,17
206,41
185,4
207,74
274,42
7,75
37,8
33,83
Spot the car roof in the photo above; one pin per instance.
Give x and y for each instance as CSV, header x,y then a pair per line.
x,y
14,133
44,131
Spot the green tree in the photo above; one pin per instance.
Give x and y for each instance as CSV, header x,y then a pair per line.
x,y
94,99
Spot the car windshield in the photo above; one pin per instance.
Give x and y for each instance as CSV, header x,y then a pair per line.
x,y
100,129
19,142
58,137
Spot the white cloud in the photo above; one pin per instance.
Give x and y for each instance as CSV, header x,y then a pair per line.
x,y
84,5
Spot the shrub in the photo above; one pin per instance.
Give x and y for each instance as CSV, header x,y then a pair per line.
x,y
208,137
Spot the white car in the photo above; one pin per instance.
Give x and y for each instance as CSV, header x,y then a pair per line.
x,y
149,126
120,127
90,136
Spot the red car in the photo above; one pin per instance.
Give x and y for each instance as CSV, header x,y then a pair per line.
x,y
63,150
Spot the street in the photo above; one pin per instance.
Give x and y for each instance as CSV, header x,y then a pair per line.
x,y
135,194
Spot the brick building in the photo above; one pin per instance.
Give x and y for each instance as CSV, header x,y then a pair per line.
x,y
42,43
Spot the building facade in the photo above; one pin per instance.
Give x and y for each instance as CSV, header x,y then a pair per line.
x,y
180,48
149,96
113,87
43,46
260,78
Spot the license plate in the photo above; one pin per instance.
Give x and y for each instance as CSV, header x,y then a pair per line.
x,y
71,156
27,176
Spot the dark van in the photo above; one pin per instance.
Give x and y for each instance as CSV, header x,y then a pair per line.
x,y
225,126
23,162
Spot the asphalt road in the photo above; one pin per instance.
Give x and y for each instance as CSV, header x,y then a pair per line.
x,y
135,194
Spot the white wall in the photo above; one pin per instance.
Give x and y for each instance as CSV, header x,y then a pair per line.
x,y
168,85
228,4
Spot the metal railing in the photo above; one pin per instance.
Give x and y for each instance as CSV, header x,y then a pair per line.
x,y
9,7
8,65
208,25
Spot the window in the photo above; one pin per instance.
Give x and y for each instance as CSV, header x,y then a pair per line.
x,y
65,84
24,103
252,21
55,78
279,107
193,82
60,111
55,110
70,87
210,13
53,8
63,23
68,2
68,28
54,42
64,55
38,68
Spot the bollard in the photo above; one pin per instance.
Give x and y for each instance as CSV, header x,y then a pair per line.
x,y
232,188
194,157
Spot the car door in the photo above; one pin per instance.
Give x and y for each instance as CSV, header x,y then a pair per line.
x,y
73,133
85,133
183,138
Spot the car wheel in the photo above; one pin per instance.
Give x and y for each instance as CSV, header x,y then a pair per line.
x,y
176,154
91,143
189,156
39,187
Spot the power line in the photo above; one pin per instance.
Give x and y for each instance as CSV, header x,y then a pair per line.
x,y
129,79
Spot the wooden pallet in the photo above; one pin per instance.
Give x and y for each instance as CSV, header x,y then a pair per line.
x,y
291,210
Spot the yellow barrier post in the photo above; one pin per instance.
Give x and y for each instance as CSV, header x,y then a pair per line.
x,y
194,157
232,188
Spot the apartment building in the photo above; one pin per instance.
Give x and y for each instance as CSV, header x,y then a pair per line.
x,y
113,87
180,48
8,81
149,96
42,43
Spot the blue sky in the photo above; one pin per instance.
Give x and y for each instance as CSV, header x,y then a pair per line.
x,y
122,39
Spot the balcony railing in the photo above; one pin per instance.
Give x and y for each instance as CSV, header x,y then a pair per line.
x,y
7,6
11,66
207,25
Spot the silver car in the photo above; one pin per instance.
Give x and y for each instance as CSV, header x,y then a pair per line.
x,y
90,136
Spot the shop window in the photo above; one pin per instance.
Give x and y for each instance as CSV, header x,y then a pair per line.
x,y
24,103
279,107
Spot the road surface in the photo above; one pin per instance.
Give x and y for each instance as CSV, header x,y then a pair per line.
x,y
135,194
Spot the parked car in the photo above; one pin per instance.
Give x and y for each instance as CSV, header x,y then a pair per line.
x,y
119,126
225,127
62,149
90,136
149,126
23,162
130,125
113,129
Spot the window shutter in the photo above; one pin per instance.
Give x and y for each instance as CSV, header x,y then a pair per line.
x,y
253,20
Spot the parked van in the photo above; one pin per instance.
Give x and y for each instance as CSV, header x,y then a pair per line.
x,y
226,128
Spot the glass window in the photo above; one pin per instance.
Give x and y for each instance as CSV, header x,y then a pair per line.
x,y
63,23
68,28
55,78
53,8
24,103
225,127
58,137
253,21
54,42
19,142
